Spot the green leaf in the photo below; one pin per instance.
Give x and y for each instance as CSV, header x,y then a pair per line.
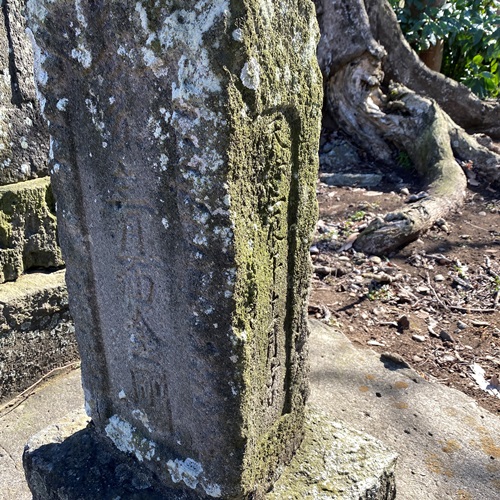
x,y
487,75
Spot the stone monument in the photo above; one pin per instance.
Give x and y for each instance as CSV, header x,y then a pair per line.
x,y
184,151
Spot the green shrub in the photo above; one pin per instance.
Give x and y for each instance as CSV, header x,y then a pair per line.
x,y
470,30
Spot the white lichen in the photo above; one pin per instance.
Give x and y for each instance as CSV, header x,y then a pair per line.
x,y
61,104
36,10
212,490
200,239
126,438
190,473
143,418
163,161
143,16
250,74
82,55
238,35
79,14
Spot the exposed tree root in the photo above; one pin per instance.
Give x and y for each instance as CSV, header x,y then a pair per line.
x,y
353,71
424,135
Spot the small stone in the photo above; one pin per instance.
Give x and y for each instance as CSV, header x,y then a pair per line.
x,y
482,214
324,270
477,322
375,259
392,357
403,323
448,358
461,325
416,197
417,359
405,191
418,338
375,343
314,250
439,277
446,337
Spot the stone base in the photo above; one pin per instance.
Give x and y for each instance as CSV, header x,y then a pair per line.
x,y
69,460
334,461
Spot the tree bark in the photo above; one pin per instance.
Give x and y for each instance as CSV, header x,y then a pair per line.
x,y
422,130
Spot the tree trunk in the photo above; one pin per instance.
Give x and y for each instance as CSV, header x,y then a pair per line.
x,y
353,62
433,56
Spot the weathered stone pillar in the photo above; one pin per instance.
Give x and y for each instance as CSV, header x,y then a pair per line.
x,y
184,160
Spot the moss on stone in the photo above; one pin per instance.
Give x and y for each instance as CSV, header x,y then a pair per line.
x,y
5,231
275,110
334,462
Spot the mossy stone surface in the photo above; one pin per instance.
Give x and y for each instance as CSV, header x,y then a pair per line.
x,y
336,462
28,228
333,462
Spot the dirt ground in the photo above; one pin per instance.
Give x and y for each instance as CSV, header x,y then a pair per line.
x,y
435,303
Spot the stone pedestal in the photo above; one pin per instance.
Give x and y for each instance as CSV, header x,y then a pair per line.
x,y
333,462
184,139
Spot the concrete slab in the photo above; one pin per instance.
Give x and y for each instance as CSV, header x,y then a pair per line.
x,y
449,447
46,405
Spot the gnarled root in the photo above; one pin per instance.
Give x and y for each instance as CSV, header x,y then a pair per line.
x,y
420,128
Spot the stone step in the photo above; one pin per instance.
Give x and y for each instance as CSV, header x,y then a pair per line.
x,y
69,460
36,332
28,234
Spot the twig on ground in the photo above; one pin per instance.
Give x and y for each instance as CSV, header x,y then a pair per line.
x,y
11,405
478,227
472,309
434,292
